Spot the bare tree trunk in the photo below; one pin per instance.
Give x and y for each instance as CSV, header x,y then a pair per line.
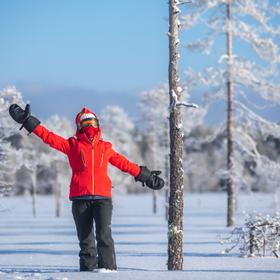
x,y
33,194
176,201
154,202
276,200
58,201
230,184
251,242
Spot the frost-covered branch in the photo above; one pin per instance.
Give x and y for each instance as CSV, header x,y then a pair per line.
x,y
188,105
259,236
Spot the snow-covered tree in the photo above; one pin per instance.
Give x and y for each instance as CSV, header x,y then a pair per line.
x,y
8,161
266,168
154,114
8,96
155,127
119,129
25,160
251,69
204,157
57,161
9,157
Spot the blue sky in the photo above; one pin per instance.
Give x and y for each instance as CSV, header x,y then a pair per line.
x,y
104,45
81,52
64,54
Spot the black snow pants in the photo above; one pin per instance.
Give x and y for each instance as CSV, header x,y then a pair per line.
x,y
85,213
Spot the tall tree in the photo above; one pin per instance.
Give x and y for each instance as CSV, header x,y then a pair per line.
x,y
239,74
230,185
176,197
154,122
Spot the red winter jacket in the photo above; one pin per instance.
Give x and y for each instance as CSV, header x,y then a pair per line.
x,y
89,161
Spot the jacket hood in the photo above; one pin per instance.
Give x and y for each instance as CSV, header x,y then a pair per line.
x,y
82,136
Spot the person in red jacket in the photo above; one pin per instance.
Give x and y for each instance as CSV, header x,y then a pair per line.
x,y
90,187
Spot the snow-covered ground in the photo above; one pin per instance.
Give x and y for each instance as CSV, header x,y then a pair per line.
x,y
46,247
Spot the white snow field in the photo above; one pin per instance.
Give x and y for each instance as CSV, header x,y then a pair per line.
x,y
46,247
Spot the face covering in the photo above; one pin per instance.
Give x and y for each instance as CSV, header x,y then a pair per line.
x,y
89,131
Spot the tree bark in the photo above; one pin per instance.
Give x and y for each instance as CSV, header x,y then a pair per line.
x,y
176,202
230,184
166,169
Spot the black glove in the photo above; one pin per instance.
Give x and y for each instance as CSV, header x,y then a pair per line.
x,y
150,178
24,117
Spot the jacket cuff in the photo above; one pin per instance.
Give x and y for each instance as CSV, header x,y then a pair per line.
x,y
144,174
137,171
38,130
31,123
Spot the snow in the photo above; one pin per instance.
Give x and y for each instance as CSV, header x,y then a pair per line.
x,y
174,100
190,105
46,247
176,9
179,89
180,125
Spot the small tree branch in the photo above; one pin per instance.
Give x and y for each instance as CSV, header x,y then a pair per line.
x,y
189,105
184,2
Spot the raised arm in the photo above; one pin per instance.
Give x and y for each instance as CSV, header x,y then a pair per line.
x,y
32,124
55,141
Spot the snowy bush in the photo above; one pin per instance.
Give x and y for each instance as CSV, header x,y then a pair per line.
x,y
259,236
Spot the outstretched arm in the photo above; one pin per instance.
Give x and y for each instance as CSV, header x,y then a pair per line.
x,y
124,164
55,141
32,124
140,173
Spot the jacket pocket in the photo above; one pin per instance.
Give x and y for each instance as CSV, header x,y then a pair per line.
x,y
77,161
84,164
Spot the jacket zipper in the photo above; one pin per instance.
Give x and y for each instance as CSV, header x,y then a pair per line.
x,y
102,155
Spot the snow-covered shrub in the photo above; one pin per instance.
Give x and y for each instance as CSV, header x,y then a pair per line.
x,y
259,236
